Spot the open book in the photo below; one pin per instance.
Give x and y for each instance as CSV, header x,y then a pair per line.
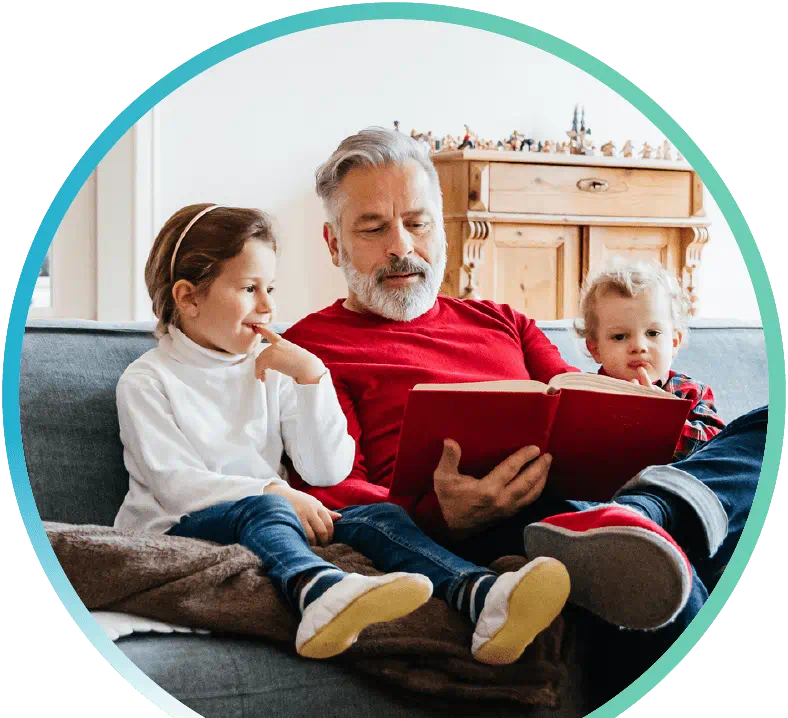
x,y
600,431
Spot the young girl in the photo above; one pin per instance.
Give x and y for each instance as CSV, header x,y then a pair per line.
x,y
206,416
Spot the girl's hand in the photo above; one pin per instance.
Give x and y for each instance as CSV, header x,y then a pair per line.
x,y
287,358
317,520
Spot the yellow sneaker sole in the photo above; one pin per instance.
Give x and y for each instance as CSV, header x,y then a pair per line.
x,y
382,603
533,605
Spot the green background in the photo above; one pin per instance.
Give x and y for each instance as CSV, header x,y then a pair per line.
x,y
68,68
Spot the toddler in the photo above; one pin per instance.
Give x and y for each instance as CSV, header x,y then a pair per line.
x,y
206,416
634,319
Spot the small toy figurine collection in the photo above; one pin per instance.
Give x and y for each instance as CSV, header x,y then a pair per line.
x,y
580,143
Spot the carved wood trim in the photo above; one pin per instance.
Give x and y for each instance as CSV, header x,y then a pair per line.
x,y
476,234
692,257
479,186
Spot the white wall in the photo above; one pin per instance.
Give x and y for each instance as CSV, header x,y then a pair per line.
x,y
252,130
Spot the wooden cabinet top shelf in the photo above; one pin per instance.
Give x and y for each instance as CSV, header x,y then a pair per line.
x,y
546,158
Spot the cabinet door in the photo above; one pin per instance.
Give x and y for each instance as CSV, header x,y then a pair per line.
x,y
533,268
652,244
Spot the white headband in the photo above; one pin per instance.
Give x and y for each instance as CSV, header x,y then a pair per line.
x,y
183,234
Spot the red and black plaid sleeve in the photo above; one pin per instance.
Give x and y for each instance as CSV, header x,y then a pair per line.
x,y
703,423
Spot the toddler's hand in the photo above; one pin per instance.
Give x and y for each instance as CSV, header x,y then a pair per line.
x,y
644,380
317,520
287,358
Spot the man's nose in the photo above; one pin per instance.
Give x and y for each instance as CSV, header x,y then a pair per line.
x,y
400,243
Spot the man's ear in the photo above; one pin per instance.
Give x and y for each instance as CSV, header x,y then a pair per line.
x,y
593,350
185,295
331,240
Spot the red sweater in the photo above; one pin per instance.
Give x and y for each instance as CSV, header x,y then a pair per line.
x,y
375,362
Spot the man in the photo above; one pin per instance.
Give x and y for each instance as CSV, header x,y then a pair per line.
x,y
626,559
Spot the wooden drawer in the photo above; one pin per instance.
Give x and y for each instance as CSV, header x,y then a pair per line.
x,y
578,190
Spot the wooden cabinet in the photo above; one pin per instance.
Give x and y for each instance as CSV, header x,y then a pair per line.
x,y
525,228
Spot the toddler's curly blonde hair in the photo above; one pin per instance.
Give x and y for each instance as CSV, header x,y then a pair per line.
x,y
629,278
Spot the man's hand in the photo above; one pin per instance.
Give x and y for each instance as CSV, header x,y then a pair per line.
x,y
288,358
470,504
317,520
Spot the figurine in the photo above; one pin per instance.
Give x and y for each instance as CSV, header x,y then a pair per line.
x,y
627,149
425,138
659,153
562,149
667,150
645,152
396,125
515,142
588,147
449,143
573,133
548,146
469,140
526,145
609,149
679,158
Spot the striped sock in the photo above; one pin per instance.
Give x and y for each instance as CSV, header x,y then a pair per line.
x,y
469,599
311,585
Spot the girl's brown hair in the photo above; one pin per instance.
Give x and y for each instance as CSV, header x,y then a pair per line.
x,y
214,239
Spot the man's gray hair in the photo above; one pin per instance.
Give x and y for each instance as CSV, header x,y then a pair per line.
x,y
373,147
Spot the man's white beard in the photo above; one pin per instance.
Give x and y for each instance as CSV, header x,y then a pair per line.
x,y
401,304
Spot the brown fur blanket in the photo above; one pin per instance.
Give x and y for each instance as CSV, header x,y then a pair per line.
x,y
200,584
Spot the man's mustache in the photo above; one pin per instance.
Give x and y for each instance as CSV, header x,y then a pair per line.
x,y
402,266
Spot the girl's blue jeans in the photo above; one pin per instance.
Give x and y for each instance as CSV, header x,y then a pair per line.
x,y
268,526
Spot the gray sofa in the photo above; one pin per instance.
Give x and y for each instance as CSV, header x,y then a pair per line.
x,y
74,459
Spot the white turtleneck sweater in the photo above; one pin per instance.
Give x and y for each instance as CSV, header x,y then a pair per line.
x,y
198,429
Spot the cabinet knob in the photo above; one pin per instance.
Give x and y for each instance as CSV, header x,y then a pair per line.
x,y
593,185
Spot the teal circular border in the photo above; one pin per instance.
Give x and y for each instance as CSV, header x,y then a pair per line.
x,y
392,11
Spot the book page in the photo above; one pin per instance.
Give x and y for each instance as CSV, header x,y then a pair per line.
x,y
510,385
606,385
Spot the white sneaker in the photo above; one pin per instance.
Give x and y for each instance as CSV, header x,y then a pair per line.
x,y
519,606
331,623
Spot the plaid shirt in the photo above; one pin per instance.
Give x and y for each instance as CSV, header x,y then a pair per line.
x,y
703,422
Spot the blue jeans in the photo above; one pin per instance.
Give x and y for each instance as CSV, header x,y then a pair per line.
x,y
730,465
267,525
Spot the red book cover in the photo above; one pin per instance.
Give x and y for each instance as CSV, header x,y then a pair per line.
x,y
598,440
488,426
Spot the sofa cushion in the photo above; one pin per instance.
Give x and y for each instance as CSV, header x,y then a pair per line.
x,y
260,679
70,432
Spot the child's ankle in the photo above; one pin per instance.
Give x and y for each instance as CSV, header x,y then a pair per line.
x,y
312,584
